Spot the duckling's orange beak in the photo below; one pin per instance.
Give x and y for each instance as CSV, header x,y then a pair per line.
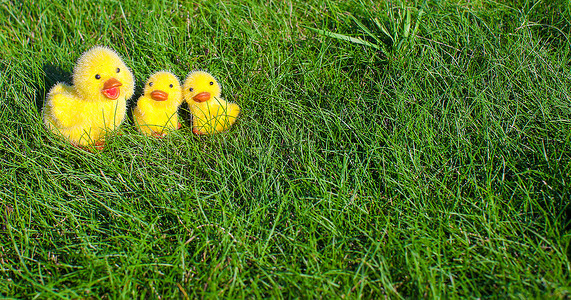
x,y
201,97
111,88
159,95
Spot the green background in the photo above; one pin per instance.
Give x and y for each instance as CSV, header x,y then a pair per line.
x,y
403,149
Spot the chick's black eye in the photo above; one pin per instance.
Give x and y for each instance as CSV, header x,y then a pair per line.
x,y
171,85
150,84
190,89
118,70
211,83
97,76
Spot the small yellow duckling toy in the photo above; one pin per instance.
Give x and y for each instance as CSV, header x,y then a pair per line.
x,y
96,103
211,114
156,112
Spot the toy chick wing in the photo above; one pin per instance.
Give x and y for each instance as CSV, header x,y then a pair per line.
x,y
59,106
211,113
96,103
156,112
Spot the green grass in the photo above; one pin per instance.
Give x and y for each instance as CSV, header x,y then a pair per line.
x,y
433,164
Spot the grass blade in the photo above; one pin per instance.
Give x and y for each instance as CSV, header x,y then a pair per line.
x,y
384,29
345,38
365,29
407,24
419,18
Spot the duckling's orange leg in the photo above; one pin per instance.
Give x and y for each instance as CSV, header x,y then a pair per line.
x,y
196,131
99,145
159,135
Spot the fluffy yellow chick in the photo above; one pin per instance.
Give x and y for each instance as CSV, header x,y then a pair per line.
x,y
156,111
96,103
211,114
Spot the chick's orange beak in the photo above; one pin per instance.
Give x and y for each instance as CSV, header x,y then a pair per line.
x,y
201,97
111,88
159,95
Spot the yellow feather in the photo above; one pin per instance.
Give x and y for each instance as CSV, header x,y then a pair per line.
x,y
96,103
154,114
213,114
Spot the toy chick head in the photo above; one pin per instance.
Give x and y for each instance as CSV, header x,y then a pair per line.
x,y
200,86
101,75
163,88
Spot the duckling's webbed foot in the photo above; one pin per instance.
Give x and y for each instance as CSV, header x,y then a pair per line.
x,y
198,132
97,146
158,134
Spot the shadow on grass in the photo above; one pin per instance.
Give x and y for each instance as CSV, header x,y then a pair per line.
x,y
52,75
185,117
132,103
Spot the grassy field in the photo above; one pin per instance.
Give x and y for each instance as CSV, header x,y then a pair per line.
x,y
418,149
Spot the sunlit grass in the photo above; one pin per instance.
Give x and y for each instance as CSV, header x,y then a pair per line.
x,y
435,169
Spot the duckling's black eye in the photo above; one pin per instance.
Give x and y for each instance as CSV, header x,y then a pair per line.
x,y
171,85
97,76
211,83
118,70
150,84
191,89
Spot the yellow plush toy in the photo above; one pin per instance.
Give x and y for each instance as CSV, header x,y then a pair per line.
x,y
211,114
96,103
156,111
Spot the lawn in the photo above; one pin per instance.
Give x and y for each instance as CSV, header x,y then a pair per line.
x,y
384,149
